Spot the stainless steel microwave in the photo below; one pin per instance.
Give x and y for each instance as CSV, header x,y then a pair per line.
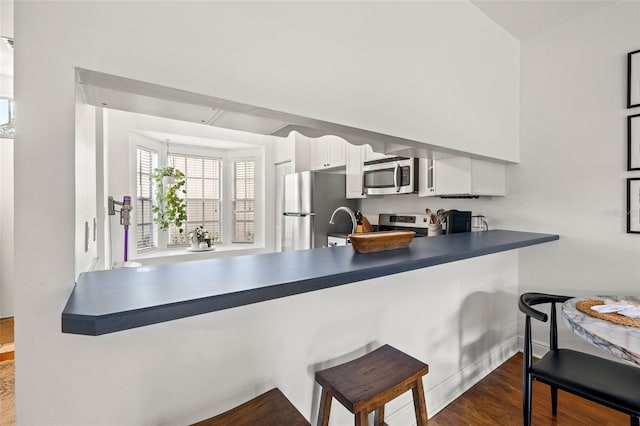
x,y
397,175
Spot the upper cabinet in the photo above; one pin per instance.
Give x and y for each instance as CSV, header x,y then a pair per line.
x,y
294,149
371,155
356,156
461,176
328,152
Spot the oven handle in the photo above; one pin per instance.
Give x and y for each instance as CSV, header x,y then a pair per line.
x,y
395,177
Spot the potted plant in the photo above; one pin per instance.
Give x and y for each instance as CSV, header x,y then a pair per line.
x,y
199,236
170,204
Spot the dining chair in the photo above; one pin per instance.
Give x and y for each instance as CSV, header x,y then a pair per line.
x,y
610,383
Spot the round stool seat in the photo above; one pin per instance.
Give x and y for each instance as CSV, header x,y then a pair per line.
x,y
369,382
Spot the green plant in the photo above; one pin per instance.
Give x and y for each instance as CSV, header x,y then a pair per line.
x,y
170,204
200,233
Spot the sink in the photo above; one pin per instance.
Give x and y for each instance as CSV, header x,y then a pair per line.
x,y
336,239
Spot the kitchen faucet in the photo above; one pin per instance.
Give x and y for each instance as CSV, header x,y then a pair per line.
x,y
351,214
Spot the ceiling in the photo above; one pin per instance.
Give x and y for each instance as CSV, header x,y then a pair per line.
x,y
526,18
193,140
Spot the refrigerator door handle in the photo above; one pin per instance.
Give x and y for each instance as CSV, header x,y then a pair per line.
x,y
298,214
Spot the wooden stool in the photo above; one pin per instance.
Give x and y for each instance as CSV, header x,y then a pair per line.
x,y
271,408
369,382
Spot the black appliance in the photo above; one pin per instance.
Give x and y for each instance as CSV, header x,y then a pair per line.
x,y
458,221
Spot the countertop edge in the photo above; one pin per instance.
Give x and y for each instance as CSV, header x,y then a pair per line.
x,y
95,325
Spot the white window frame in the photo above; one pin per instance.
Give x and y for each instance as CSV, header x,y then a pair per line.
x,y
256,154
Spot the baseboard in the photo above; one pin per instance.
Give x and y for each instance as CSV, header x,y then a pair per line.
x,y
538,348
445,392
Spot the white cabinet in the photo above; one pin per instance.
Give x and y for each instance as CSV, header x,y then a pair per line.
x,y
294,150
371,155
355,161
426,187
284,150
328,152
462,176
356,156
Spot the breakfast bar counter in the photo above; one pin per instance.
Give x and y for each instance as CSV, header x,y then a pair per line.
x,y
119,299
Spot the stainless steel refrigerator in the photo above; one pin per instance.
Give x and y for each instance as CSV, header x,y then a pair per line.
x,y
309,199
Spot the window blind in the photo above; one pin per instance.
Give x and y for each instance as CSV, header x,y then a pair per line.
x,y
243,201
203,198
147,160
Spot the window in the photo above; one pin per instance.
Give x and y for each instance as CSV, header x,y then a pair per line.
x,y
243,201
220,195
147,160
203,198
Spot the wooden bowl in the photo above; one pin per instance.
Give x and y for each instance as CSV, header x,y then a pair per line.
x,y
369,242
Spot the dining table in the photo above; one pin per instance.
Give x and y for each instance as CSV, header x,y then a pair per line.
x,y
617,336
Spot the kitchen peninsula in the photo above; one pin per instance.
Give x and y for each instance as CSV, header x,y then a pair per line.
x,y
109,301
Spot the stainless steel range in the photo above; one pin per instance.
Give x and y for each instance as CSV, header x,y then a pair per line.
x,y
404,222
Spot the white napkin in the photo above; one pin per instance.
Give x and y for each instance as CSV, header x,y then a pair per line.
x,y
607,309
631,312
622,307
617,302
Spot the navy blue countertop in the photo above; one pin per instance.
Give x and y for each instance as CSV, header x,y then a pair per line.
x,y
119,299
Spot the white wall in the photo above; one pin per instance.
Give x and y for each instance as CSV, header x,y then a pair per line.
x,y
6,18
435,71
6,228
438,72
6,86
572,176
85,200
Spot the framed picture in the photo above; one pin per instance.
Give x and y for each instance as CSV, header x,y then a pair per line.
x,y
633,79
633,142
633,206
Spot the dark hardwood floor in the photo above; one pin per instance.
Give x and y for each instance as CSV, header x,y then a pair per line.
x,y
497,400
